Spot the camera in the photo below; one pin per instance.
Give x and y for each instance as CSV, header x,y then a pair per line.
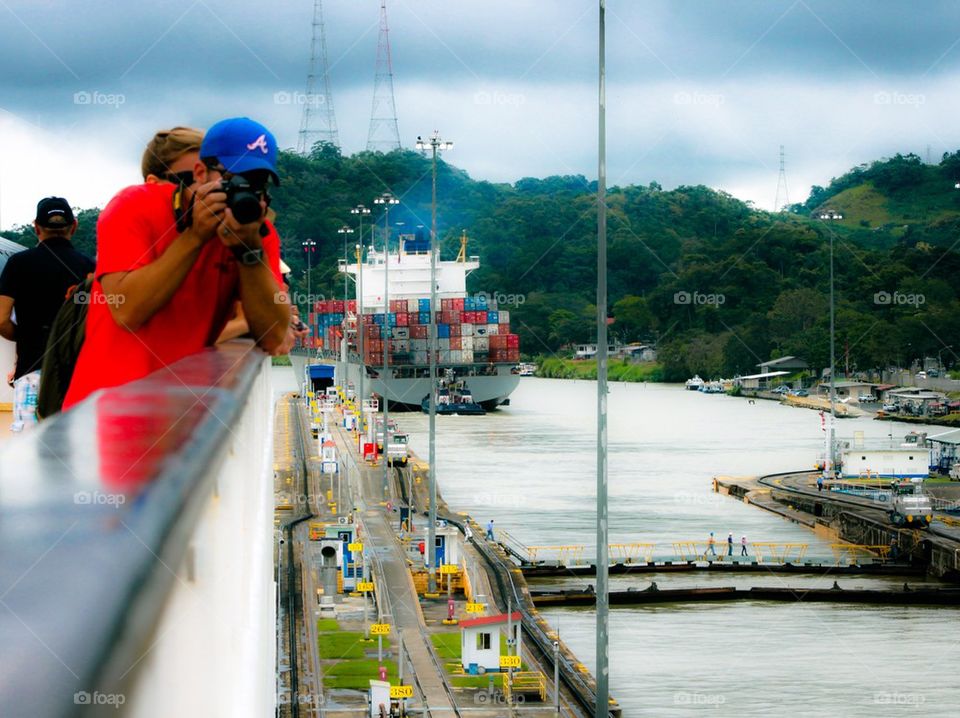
x,y
242,198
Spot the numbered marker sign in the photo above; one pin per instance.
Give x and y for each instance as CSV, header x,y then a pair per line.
x,y
380,629
355,546
364,586
476,607
509,661
401,691
449,568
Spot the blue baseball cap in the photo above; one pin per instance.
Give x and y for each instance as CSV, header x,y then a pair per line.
x,y
241,145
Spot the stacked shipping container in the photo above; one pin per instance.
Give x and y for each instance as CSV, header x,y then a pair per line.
x,y
470,330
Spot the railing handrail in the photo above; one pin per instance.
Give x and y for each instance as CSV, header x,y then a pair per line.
x,y
97,507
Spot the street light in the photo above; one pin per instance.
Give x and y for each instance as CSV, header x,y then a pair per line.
x,y
345,230
360,210
829,459
309,247
387,200
436,145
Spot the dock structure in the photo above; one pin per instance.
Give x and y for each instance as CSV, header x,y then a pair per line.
x,y
859,522
484,575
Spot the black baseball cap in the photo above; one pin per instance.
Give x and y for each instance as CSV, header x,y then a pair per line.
x,y
53,212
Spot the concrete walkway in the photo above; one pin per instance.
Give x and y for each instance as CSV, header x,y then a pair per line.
x,y
407,620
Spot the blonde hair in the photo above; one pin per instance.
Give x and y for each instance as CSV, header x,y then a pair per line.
x,y
166,147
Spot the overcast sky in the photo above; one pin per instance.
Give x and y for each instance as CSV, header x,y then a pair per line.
x,y
698,93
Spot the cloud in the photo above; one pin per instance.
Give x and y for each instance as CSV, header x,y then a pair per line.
x,y
697,93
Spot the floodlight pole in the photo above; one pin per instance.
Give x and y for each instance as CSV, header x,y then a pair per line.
x,y
435,144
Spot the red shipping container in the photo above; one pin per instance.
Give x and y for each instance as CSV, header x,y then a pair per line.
x,y
402,319
458,304
413,318
419,331
446,305
312,318
352,305
336,306
503,329
456,343
454,330
513,341
320,307
498,341
480,317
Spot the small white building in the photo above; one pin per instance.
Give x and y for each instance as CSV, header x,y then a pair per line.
x,y
480,642
758,381
892,462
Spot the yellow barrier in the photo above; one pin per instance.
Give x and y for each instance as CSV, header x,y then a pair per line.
x,y
526,682
627,552
779,552
761,551
567,555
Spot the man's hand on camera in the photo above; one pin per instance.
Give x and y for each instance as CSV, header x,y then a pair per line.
x,y
232,233
209,204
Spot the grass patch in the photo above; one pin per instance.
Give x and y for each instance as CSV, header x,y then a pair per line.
x,y
447,645
345,644
356,674
327,624
281,361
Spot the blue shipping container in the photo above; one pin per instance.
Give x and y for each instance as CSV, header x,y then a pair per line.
x,y
425,316
493,317
443,331
424,305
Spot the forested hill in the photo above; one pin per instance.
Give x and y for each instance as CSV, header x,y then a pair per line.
x,y
719,285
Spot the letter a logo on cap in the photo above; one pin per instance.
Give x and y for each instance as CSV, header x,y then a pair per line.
x,y
260,142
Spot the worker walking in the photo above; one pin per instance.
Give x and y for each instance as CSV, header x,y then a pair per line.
x,y
490,530
743,546
711,545
730,544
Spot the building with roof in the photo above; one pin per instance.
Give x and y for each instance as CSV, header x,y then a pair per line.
x,y
788,364
758,381
480,641
848,390
944,449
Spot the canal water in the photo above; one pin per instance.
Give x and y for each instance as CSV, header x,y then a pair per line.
x,y
531,467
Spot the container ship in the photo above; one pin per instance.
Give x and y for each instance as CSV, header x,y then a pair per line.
x,y
474,338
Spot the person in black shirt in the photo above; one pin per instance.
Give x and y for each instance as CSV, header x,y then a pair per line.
x,y
33,286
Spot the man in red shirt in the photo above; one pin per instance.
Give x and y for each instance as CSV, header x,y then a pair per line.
x,y
172,261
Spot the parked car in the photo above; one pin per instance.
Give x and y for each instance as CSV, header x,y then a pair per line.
x,y
866,398
921,375
782,389
891,408
801,392
933,373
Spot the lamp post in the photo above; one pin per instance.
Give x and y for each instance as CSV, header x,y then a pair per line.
x,y
344,230
309,247
360,210
435,144
387,200
829,459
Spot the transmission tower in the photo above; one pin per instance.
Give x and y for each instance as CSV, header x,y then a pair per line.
x,y
318,121
779,206
384,133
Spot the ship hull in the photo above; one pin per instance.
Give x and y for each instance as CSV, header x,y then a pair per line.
x,y
407,393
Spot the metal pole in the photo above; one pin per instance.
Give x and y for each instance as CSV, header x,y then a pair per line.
x,y
432,460
386,345
603,687
556,675
831,453
360,324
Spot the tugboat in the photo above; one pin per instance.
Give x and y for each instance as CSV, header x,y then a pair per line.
x,y
453,397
